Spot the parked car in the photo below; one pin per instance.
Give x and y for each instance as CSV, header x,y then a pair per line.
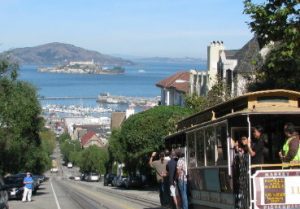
x,y
108,178
77,178
134,181
93,177
3,195
54,170
70,165
42,178
114,181
119,181
83,176
15,187
36,181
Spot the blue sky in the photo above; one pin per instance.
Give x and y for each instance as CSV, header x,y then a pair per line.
x,y
170,28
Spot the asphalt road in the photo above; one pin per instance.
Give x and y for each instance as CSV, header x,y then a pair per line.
x,y
62,193
59,192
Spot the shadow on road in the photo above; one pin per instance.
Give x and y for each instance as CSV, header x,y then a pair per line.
x,y
38,193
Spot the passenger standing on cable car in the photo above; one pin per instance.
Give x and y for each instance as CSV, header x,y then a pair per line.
x,y
256,146
290,151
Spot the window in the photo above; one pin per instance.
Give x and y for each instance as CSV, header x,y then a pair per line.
x,y
200,147
210,145
191,150
229,79
221,137
272,99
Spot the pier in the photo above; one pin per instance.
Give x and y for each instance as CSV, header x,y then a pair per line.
x,y
148,101
63,98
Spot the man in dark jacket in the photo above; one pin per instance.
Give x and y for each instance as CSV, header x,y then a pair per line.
x,y
171,168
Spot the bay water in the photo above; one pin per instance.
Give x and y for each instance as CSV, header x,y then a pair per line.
x,y
138,81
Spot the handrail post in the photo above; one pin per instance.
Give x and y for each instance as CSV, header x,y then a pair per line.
x,y
249,164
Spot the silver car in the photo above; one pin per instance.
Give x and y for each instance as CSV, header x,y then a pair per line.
x,y
93,177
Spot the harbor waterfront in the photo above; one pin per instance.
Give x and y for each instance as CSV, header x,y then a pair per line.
x,y
83,90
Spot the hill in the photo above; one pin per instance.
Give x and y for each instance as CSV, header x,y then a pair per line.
x,y
60,53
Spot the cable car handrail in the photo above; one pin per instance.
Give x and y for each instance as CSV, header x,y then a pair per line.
x,y
276,165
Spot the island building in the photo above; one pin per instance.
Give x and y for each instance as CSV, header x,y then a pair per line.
x,y
82,62
233,67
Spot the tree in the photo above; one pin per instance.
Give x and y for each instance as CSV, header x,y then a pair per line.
x,y
93,159
20,124
195,102
70,149
8,69
218,93
276,24
115,151
143,133
48,139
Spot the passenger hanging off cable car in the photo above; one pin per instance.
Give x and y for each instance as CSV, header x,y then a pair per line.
x,y
240,172
290,151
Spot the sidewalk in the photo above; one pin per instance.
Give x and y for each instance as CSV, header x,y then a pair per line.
x,y
43,197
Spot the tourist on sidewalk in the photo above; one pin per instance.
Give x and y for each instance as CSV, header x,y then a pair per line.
x,y
160,170
171,168
28,184
182,179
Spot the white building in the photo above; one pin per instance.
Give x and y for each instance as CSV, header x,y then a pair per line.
x,y
174,88
82,62
234,67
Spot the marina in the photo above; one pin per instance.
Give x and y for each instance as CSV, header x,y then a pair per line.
x,y
139,101
109,99
74,109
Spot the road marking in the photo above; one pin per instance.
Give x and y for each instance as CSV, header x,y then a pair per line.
x,y
55,197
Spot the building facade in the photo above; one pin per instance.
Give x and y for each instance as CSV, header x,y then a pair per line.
x,y
233,67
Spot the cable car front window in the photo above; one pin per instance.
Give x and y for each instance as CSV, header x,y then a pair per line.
x,y
221,138
200,147
191,150
210,141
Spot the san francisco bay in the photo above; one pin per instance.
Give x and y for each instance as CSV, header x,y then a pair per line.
x,y
138,81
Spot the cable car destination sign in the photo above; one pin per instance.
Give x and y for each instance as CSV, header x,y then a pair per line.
x,y
276,189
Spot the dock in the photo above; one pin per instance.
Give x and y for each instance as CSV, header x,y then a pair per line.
x,y
110,99
128,100
63,98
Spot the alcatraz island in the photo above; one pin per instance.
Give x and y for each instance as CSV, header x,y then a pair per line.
x,y
83,67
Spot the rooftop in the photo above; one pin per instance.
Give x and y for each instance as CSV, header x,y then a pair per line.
x,y
179,81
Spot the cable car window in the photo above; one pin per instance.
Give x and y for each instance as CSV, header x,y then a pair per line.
x,y
200,147
191,150
272,99
221,136
210,139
